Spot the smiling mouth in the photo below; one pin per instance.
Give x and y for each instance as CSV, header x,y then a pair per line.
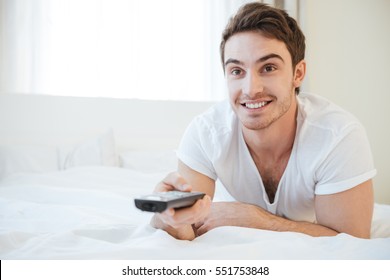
x,y
255,105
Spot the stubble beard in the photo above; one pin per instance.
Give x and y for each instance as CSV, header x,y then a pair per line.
x,y
263,121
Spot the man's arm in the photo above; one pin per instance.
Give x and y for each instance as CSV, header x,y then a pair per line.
x,y
349,212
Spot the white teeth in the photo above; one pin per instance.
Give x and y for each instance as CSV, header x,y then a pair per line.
x,y
255,105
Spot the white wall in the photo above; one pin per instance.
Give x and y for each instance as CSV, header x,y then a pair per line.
x,y
348,55
66,121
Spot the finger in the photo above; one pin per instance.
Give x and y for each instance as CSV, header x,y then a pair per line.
x,y
176,218
177,182
198,224
173,181
196,213
173,221
170,212
187,216
162,187
201,230
167,218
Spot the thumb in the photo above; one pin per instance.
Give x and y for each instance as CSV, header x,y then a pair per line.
x,y
175,180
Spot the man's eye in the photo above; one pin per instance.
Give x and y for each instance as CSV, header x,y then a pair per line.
x,y
236,72
269,68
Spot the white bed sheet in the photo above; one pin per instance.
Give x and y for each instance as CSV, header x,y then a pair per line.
x,y
88,213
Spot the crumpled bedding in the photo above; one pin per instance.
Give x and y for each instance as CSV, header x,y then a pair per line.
x,y
88,213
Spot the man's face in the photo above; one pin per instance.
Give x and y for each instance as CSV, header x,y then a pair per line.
x,y
260,78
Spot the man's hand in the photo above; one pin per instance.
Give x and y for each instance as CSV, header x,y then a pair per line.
x,y
178,222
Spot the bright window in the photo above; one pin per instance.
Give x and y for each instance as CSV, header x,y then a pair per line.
x,y
133,49
114,48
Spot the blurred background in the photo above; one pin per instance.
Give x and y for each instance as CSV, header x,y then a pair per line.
x,y
169,50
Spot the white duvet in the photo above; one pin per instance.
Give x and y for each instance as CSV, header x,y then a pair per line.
x,y
88,213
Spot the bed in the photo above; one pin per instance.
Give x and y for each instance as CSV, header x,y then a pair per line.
x,y
71,167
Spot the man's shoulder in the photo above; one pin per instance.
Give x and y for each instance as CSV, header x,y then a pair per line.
x,y
317,111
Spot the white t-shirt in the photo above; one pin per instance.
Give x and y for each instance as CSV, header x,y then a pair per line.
x,y
330,154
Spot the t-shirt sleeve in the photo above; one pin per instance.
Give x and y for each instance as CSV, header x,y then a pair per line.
x,y
348,163
196,148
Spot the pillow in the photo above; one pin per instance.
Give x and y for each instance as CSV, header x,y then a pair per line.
x,y
149,161
99,150
15,159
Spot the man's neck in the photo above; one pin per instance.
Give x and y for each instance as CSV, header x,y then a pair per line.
x,y
275,141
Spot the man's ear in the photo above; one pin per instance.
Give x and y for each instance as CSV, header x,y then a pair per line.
x,y
299,74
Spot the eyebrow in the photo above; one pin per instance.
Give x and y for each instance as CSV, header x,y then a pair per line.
x,y
261,59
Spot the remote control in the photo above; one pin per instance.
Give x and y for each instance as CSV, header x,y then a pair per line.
x,y
159,202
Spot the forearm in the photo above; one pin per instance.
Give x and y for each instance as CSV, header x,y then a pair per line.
x,y
276,223
252,216
282,224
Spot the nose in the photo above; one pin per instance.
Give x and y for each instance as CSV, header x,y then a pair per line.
x,y
252,84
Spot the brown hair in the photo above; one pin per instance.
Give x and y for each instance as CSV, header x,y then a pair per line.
x,y
273,23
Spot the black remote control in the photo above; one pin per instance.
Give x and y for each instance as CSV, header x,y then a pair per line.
x,y
158,202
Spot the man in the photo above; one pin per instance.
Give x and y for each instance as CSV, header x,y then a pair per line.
x,y
293,162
